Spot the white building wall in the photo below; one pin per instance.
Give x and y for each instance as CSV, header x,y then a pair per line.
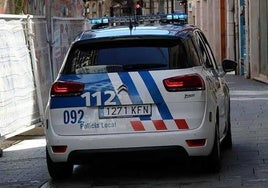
x,y
191,12
197,13
207,17
253,38
206,14
230,25
216,25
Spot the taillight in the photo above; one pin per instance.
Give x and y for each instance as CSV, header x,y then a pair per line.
x,y
66,88
189,82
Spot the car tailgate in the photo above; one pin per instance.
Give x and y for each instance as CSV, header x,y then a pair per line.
x,y
127,102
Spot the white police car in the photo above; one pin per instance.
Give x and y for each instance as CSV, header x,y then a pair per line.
x,y
137,88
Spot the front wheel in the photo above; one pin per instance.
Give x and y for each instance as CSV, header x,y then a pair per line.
x,y
58,170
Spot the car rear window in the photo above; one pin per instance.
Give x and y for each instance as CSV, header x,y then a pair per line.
x,y
128,55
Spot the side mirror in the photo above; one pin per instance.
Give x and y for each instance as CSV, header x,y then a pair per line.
x,y
229,65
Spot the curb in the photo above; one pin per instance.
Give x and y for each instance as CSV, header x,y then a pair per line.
x,y
38,131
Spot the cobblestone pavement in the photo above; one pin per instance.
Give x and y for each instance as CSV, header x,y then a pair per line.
x,y
246,165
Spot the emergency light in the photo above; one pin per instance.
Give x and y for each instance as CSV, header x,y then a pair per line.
x,y
178,17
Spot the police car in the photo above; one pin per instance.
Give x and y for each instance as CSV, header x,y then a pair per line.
x,y
148,87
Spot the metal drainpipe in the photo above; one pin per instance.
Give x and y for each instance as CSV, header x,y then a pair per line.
x,y
237,35
167,6
150,4
172,7
235,29
247,74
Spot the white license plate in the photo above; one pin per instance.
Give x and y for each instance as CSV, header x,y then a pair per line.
x,y
125,111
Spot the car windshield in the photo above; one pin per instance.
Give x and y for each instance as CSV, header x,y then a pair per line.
x,y
127,56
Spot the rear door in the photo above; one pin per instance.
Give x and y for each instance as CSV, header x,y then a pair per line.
x,y
213,77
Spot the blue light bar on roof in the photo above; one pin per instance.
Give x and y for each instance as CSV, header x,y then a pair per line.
x,y
177,17
98,20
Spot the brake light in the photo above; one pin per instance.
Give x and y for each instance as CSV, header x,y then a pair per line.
x,y
66,88
190,82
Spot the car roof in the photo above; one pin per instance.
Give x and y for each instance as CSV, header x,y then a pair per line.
x,y
158,29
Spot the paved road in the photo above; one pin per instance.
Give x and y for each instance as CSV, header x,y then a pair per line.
x,y
246,165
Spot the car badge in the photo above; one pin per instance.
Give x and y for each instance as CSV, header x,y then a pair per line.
x,y
122,88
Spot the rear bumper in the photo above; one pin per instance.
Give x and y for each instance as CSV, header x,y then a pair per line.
x,y
81,147
165,153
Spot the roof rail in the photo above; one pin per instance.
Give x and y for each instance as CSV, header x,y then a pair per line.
x,y
137,19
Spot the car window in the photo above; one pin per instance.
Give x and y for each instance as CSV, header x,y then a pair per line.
x,y
206,53
193,54
202,49
133,55
129,56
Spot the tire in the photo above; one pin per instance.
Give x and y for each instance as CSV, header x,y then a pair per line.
x,y
214,159
227,142
60,170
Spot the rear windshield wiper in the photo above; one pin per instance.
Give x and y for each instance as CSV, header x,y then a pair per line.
x,y
133,67
117,68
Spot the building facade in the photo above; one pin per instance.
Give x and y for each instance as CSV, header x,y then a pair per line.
x,y
206,15
236,29
256,24
251,25
89,8
59,8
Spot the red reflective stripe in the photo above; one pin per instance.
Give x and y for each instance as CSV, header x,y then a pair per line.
x,y
181,124
159,125
137,126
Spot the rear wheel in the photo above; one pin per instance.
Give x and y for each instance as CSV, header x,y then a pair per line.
x,y
57,170
214,159
227,141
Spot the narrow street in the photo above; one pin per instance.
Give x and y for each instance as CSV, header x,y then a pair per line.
x,y
246,165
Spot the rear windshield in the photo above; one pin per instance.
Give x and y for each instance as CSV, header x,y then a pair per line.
x,y
115,56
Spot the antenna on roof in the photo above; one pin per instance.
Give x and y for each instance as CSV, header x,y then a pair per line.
x,y
130,24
